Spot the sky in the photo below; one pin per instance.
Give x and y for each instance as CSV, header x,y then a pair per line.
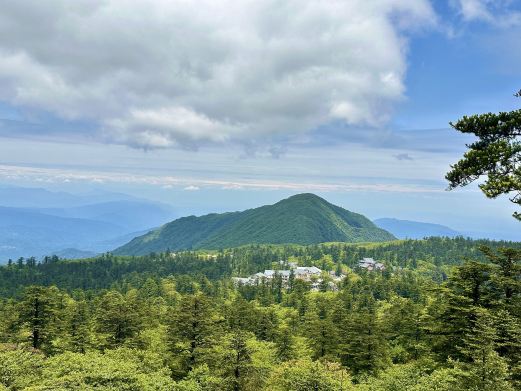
x,y
219,105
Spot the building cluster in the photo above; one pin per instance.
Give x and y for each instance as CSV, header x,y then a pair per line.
x,y
370,264
311,274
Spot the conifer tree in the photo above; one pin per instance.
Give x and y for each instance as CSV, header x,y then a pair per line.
x,y
38,312
267,324
320,330
285,344
192,329
366,349
237,361
305,375
484,369
79,328
494,155
117,318
508,343
506,276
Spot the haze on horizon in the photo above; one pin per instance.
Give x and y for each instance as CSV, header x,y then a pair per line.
x,y
218,106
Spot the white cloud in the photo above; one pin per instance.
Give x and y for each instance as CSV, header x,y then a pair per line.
x,y
191,188
495,12
160,73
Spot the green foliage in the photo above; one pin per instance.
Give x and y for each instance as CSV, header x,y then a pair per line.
x,y
38,314
483,368
115,370
19,368
403,329
285,345
117,318
496,155
426,325
201,379
192,329
366,348
414,376
307,375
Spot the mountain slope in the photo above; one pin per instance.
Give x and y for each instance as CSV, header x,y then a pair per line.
x,y
301,219
413,229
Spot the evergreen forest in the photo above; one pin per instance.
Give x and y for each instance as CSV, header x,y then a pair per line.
x,y
444,314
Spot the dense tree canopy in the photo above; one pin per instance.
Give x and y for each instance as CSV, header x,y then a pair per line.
x,y
108,270
430,321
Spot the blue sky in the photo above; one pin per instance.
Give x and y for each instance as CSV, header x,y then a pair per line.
x,y
223,105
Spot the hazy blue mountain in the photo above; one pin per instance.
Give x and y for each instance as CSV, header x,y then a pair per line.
x,y
38,227
24,197
31,233
414,229
34,197
96,247
301,219
133,215
28,232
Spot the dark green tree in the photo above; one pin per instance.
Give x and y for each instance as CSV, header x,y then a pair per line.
x,y
237,361
285,344
508,271
267,324
192,329
117,318
365,348
508,342
452,312
79,327
484,368
39,313
321,331
496,155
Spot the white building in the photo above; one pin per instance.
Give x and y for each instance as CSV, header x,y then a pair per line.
x,y
370,264
310,274
305,273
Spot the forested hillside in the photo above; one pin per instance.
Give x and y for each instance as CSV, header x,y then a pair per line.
x,y
300,219
175,321
103,271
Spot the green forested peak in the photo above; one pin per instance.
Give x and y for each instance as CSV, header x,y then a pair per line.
x,y
300,219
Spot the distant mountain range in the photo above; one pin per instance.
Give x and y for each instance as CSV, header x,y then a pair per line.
x,y
406,229
34,224
38,222
34,197
301,219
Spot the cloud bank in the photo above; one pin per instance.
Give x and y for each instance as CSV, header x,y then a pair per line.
x,y
158,73
12,173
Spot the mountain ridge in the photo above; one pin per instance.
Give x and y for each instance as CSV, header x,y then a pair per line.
x,y
300,219
408,229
